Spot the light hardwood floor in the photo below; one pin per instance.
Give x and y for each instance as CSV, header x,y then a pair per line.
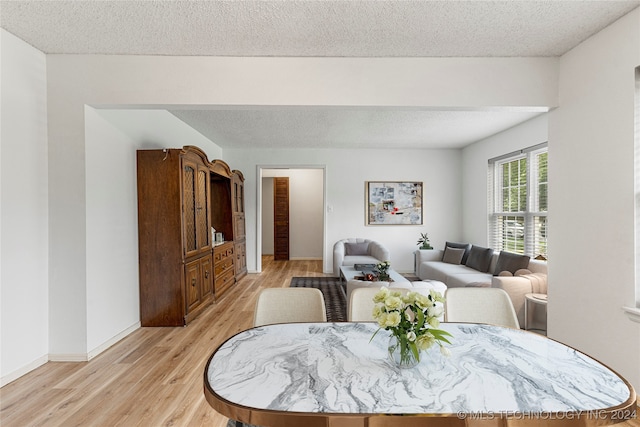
x,y
154,376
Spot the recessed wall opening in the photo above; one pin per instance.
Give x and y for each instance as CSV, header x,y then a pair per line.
x,y
307,219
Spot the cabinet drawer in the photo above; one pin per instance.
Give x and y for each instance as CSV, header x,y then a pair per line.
x,y
223,251
224,281
223,266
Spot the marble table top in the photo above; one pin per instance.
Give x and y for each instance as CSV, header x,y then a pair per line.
x,y
334,368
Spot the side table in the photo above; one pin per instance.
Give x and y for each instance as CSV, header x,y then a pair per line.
x,y
532,298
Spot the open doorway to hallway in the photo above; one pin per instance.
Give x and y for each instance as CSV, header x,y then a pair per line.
x,y
306,211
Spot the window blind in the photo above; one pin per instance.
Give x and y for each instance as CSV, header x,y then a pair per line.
x,y
518,188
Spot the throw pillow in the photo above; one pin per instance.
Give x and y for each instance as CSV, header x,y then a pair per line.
x,y
511,262
465,246
479,258
356,248
452,255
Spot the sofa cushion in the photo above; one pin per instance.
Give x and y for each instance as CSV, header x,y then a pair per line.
x,y
476,279
508,261
356,248
443,272
479,258
452,255
465,246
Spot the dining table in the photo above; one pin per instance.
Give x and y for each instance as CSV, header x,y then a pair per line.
x,y
340,375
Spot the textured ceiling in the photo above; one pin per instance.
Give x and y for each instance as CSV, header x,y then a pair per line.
x,y
348,128
371,28
378,28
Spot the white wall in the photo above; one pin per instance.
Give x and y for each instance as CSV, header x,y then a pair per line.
x,y
347,171
306,211
112,267
74,81
475,158
591,199
23,209
112,138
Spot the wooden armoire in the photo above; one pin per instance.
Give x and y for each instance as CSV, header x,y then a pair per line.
x,y
182,198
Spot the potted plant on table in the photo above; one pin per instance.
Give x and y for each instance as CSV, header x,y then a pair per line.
x,y
382,270
423,242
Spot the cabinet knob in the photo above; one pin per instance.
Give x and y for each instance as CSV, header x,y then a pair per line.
x,y
193,282
206,274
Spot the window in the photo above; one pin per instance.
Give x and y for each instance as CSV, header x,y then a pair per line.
x,y
518,202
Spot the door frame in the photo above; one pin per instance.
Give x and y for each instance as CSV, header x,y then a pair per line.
x,y
259,169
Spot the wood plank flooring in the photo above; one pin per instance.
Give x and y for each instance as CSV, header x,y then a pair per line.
x,y
153,377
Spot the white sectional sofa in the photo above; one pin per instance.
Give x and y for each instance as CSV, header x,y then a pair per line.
x,y
530,279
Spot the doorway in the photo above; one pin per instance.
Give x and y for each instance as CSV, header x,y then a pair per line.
x,y
306,212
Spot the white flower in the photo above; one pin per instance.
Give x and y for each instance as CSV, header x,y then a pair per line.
x,y
382,319
445,351
409,297
377,311
436,296
422,301
425,341
411,317
381,295
393,303
392,319
433,322
436,311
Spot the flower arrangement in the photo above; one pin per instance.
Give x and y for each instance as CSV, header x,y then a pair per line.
x,y
413,322
382,270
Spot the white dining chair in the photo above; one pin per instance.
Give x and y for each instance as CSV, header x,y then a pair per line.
x,y
360,307
287,305
480,305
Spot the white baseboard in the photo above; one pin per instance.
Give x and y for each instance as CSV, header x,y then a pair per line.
x,y
102,347
12,376
67,357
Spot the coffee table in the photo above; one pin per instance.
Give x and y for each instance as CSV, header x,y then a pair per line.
x,y
349,273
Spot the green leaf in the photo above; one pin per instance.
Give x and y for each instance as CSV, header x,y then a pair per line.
x,y
440,335
414,350
374,334
420,316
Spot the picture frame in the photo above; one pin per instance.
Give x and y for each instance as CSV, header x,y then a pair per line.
x,y
393,203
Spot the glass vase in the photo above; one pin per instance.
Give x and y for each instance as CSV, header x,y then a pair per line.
x,y
400,353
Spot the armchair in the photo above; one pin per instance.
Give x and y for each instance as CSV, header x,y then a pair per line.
x,y
357,251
